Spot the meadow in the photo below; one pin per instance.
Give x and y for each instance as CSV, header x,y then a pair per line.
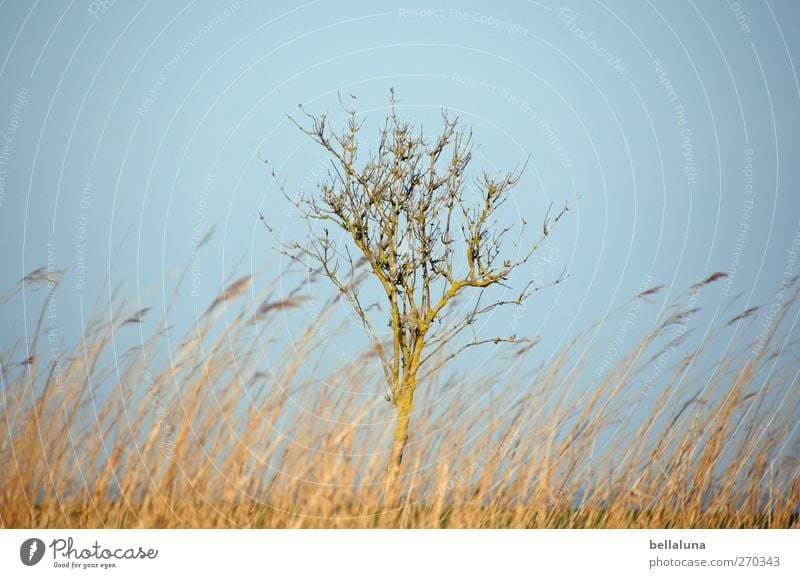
x,y
198,431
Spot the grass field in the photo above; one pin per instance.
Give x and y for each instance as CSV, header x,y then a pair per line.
x,y
205,434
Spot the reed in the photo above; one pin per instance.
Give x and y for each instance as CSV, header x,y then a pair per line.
x,y
223,428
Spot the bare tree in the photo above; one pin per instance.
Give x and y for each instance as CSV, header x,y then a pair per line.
x,y
411,221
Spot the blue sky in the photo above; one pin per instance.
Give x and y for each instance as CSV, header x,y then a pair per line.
x,y
131,129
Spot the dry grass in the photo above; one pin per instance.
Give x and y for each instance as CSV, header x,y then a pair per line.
x,y
197,436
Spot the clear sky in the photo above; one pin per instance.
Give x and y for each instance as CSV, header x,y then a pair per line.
x,y
670,127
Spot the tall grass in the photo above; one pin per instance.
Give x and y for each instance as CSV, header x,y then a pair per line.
x,y
222,429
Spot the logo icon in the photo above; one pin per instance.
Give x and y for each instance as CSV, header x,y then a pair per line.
x,y
31,552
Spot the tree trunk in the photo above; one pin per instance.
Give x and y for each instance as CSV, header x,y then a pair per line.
x,y
399,442
405,405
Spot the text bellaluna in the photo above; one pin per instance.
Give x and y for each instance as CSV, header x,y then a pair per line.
x,y
679,545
